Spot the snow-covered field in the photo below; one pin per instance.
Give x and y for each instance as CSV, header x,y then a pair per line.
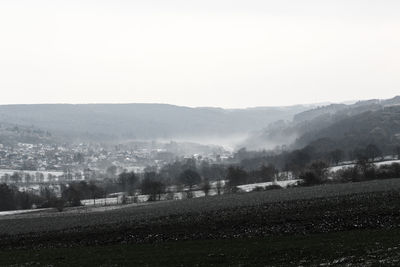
x,y
113,200
181,195
15,212
388,162
101,201
250,187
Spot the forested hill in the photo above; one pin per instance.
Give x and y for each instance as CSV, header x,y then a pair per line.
x,y
381,128
331,121
143,121
12,134
348,110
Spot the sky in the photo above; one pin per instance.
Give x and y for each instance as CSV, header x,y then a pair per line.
x,y
224,53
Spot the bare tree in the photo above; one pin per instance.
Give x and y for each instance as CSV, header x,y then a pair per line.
x,y
206,187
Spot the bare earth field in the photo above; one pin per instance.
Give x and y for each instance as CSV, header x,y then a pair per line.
x,y
336,224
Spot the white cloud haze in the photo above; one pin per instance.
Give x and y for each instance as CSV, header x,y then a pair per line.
x,y
198,53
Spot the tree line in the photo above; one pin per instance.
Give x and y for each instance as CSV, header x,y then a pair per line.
x,y
245,167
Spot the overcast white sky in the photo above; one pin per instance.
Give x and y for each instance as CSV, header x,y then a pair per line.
x,y
223,53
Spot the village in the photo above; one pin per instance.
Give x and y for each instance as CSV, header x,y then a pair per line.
x,y
31,167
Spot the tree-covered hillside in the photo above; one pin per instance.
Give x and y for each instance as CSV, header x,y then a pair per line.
x,y
144,121
331,121
381,128
12,134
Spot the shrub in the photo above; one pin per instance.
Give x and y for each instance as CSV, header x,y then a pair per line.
x,y
366,171
388,171
59,204
258,189
170,196
349,174
124,200
273,187
189,194
310,178
265,188
316,173
234,189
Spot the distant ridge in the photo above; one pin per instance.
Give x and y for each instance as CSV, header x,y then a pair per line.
x,y
143,121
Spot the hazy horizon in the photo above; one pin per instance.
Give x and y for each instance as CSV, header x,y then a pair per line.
x,y
347,102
